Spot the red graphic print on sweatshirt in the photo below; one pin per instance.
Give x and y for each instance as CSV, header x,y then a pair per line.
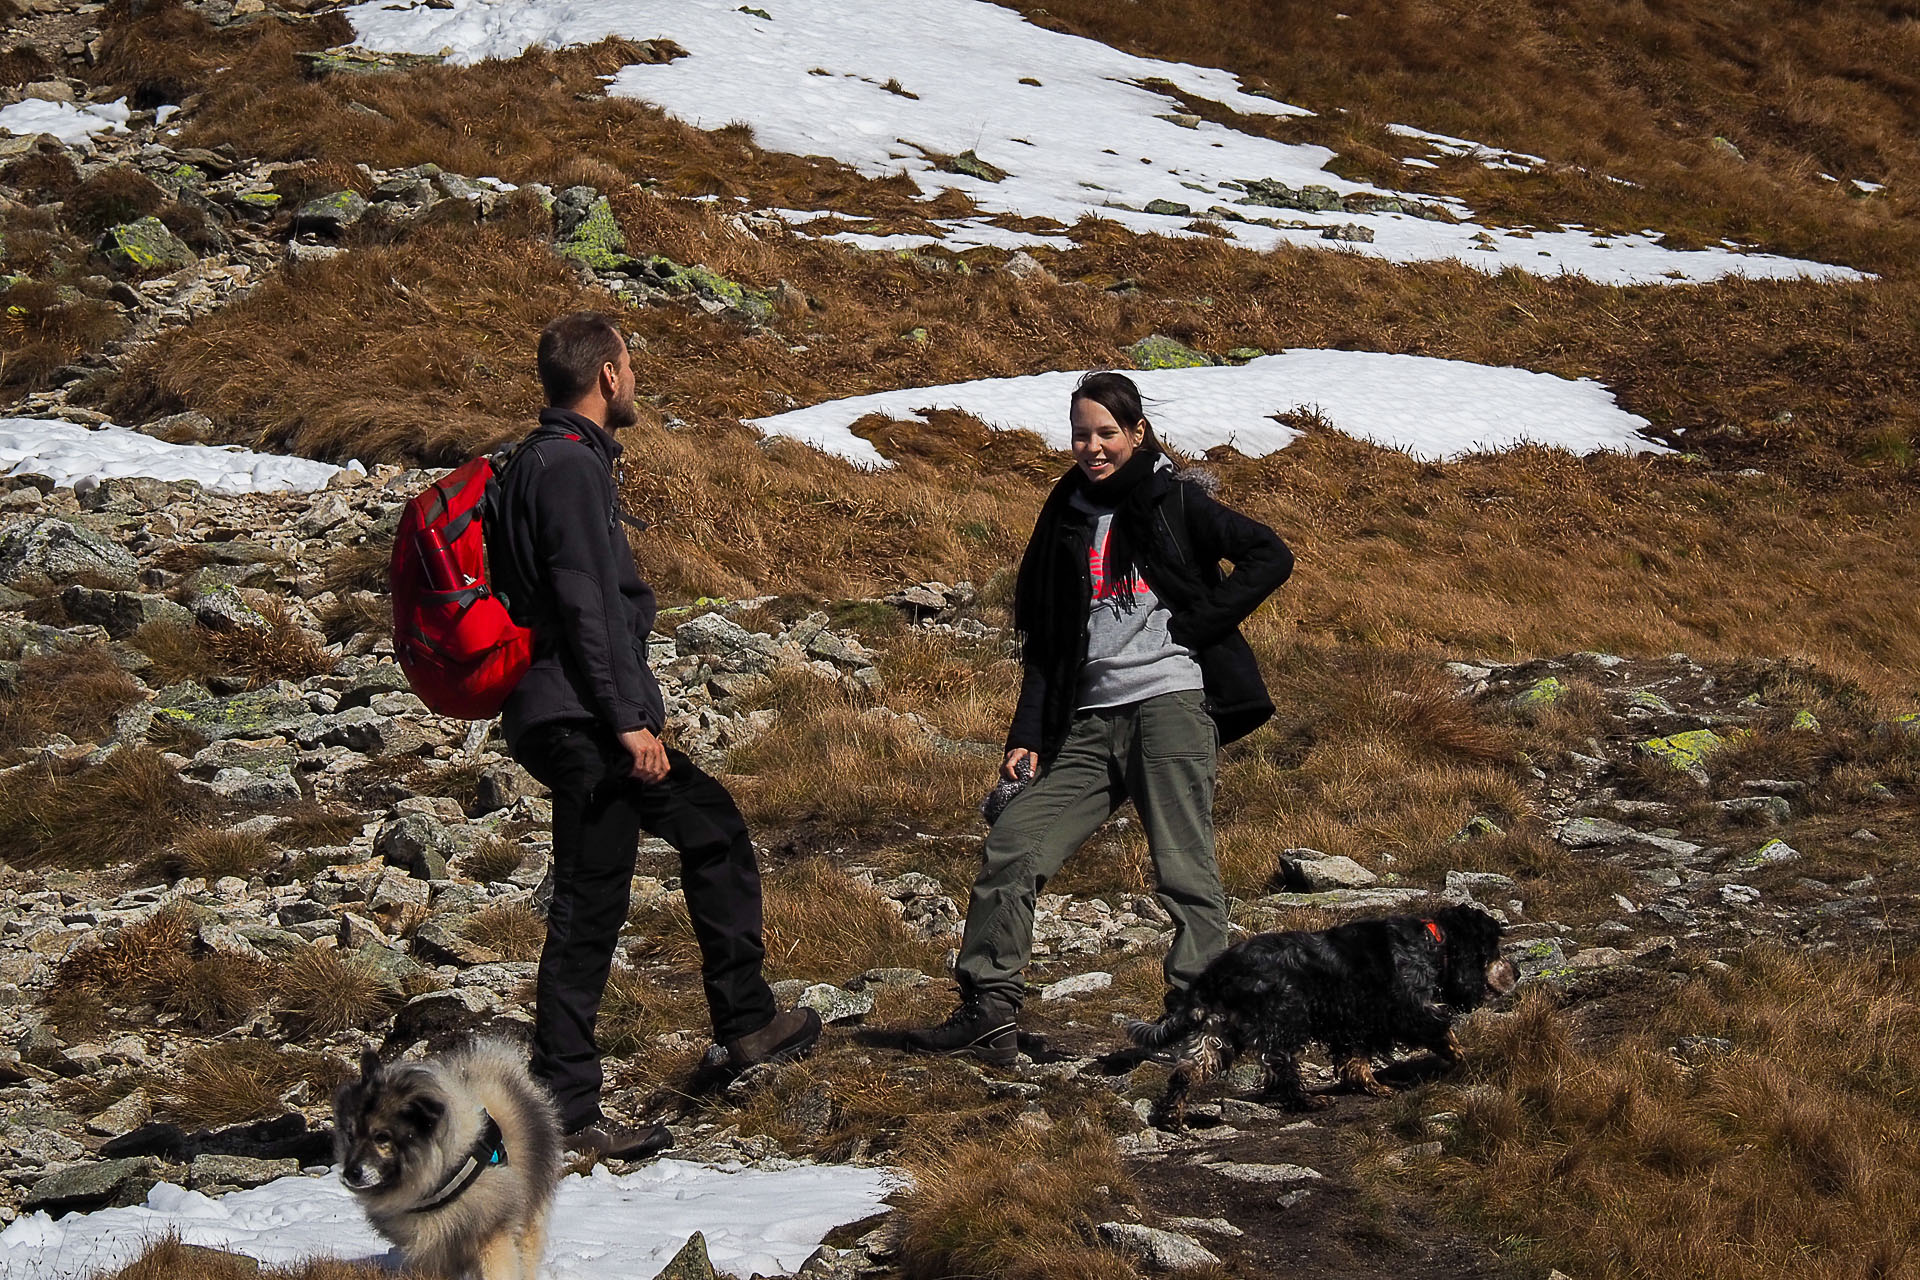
x,y
1097,567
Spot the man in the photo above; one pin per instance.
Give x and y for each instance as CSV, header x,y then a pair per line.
x,y
586,721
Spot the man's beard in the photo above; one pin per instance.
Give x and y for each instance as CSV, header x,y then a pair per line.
x,y
622,414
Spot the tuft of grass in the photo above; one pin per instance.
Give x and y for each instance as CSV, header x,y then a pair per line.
x,y
819,923
179,652
77,694
169,1259
822,924
111,196
511,928
886,771
1021,1206
280,650
493,859
323,993
236,1081
210,853
127,808
158,961
45,327
1642,1158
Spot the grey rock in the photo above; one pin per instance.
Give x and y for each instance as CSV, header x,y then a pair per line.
x,y
441,942
82,1188
52,550
1772,809
121,612
835,1004
417,843
691,1263
1159,1250
144,247
502,784
329,215
261,713
1273,1174
1080,984
238,1171
1318,872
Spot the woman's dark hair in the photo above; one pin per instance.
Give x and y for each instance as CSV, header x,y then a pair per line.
x,y
572,351
1116,393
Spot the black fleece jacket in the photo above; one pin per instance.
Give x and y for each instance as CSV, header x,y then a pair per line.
x,y
559,555
1207,608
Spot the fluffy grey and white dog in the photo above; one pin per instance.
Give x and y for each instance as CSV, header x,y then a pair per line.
x,y
454,1159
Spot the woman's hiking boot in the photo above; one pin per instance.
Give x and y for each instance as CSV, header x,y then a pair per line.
x,y
983,1027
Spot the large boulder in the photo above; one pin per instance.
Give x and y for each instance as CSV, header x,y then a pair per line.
x,y
121,612
50,550
1157,351
585,230
144,247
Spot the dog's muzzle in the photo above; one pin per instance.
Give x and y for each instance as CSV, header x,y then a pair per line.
x,y
1501,977
359,1177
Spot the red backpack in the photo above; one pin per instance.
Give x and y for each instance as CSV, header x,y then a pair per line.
x,y
461,651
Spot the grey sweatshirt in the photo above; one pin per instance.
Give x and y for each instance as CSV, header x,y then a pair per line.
x,y
1130,656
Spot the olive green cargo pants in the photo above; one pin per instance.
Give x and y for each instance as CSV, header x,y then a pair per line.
x,y
1160,754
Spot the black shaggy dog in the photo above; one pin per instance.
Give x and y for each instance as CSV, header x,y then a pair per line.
x,y
1359,988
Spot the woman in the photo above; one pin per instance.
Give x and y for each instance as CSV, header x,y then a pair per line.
x,y
1135,672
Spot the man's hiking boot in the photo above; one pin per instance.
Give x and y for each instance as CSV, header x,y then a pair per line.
x,y
788,1038
610,1140
982,1027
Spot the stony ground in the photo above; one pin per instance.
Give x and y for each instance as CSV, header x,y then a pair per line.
x,y
235,851
428,886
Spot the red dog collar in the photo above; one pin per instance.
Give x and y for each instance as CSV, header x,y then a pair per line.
x,y
1434,929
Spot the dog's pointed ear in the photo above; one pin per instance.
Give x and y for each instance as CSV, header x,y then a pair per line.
x,y
424,1112
369,1064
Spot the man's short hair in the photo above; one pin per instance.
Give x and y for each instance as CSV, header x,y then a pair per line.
x,y
572,351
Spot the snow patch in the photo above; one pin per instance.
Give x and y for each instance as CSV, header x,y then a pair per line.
x,y
1077,127
70,453
604,1227
64,120
1432,409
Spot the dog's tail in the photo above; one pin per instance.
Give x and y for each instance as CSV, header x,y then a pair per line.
x,y
1176,1025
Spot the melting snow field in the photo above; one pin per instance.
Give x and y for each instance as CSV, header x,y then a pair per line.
x,y
885,86
1432,409
604,1227
70,453
69,123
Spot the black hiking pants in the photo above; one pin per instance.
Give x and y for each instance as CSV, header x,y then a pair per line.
x,y
599,809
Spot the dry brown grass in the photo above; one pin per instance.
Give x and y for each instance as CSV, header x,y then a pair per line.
x,y
42,329
77,694
846,1098
824,925
1783,1157
1636,92
179,652
323,992
158,962
831,760
820,924
169,1259
280,649
511,928
493,859
210,853
124,809
241,1080
1021,1206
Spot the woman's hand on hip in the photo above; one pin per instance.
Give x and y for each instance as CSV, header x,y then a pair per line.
x,y
1016,758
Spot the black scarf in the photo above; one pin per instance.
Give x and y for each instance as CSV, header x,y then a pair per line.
x,y
1046,598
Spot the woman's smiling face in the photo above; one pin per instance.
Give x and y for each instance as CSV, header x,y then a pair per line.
x,y
1101,446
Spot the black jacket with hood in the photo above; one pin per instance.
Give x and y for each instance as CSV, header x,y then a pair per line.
x,y
1189,534
559,556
